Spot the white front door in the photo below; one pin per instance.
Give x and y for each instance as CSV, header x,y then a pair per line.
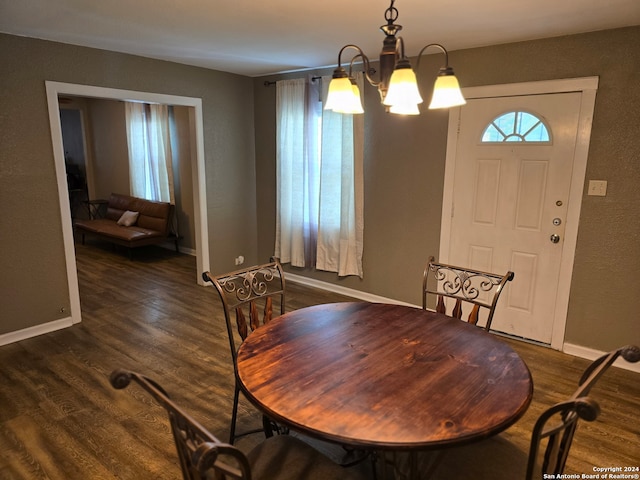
x,y
510,206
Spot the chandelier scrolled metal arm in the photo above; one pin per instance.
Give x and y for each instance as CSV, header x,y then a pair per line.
x,y
442,49
367,70
397,82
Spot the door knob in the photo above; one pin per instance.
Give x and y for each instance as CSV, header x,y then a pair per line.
x,y
554,238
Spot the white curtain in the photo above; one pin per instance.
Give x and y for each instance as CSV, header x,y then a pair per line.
x,y
149,142
341,220
290,159
319,220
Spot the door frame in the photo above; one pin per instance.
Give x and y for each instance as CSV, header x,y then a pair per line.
x,y
588,87
54,89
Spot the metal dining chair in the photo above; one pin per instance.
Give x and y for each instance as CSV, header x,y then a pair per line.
x,y
252,293
203,457
474,291
501,459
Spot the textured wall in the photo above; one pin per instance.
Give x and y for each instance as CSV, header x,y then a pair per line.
x,y
110,154
33,284
183,177
404,174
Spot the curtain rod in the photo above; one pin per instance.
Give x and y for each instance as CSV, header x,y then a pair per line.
x,y
267,83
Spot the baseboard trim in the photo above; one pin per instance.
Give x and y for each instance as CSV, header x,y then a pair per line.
x,y
170,245
592,354
34,331
348,292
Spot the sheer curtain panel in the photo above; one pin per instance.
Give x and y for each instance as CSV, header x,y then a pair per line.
x,y
319,219
341,220
297,173
149,142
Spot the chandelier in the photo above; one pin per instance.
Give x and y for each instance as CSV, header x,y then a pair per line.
x,y
397,84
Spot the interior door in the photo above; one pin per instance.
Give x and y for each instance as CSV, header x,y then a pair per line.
x,y
510,203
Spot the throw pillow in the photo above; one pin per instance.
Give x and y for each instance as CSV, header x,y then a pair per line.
x,y
128,218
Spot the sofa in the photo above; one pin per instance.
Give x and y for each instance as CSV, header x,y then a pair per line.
x,y
131,222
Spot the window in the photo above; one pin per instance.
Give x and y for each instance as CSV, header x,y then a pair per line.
x,y
518,126
319,218
150,160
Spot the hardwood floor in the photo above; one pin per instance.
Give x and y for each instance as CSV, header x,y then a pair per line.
x,y
60,418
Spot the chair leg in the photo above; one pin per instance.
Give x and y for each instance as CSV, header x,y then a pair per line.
x,y
234,415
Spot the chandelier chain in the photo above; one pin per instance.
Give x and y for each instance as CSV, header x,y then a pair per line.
x,y
391,13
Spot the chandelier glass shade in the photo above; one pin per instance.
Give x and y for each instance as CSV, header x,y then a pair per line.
x,y
446,92
397,83
344,96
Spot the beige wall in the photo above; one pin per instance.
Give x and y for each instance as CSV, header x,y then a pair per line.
x,y
110,155
183,154
404,174
404,168
33,283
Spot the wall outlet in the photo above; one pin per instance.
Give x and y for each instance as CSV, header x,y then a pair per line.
x,y
597,188
239,260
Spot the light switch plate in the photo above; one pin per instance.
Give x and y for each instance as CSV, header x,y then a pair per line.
x,y
598,188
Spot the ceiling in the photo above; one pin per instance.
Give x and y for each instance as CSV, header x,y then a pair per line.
x,y
256,38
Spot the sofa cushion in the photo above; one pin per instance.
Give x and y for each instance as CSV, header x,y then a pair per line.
x,y
152,215
109,228
129,234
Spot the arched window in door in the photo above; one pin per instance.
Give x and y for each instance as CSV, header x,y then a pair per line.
x,y
516,126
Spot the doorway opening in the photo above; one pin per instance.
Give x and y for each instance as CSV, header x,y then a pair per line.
x,y
56,90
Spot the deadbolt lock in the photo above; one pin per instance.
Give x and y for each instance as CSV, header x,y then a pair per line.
x,y
557,221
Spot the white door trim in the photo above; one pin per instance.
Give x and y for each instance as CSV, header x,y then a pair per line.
x,y
588,87
199,184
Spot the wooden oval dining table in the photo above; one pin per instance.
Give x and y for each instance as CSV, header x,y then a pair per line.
x,y
383,376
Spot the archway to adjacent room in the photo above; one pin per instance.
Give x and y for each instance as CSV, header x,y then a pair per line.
x,y
56,89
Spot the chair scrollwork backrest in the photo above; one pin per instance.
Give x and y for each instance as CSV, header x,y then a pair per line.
x,y
201,454
242,290
476,288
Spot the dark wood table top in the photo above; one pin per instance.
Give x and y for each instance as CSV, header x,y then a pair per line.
x,y
383,376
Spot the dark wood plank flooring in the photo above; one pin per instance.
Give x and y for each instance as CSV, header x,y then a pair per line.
x,y
60,418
